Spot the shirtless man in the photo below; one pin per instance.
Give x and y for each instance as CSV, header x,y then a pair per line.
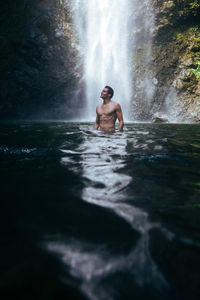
x,y
108,112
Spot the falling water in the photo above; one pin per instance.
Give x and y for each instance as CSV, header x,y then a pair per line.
x,y
111,35
143,69
102,27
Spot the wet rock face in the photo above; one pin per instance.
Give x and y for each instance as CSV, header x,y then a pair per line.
x,y
174,13
39,60
176,57
168,80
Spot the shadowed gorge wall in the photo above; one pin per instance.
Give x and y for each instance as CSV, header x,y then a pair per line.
x,y
39,71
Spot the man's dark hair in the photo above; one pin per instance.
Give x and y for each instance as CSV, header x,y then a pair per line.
x,y
110,91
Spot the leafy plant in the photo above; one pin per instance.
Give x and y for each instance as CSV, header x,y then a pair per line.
x,y
194,4
196,71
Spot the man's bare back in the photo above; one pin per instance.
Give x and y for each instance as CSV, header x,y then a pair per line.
x,y
107,113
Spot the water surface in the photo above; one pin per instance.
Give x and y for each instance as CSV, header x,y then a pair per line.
x,y
90,215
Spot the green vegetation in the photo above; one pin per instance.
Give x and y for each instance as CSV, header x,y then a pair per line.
x,y
194,4
196,70
191,39
179,35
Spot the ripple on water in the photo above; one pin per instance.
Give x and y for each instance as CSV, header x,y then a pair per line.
x,y
12,150
122,176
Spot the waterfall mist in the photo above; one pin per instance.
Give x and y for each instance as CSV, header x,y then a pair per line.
x,y
144,78
102,27
115,40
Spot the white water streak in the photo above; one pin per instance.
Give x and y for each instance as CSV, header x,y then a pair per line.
x,y
102,27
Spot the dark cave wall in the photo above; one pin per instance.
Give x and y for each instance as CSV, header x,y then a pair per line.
x,y
39,61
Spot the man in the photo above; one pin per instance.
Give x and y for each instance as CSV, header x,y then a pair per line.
x,y
108,112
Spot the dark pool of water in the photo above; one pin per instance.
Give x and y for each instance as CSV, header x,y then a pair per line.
x,y
89,215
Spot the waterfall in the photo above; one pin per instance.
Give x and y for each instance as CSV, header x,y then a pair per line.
x,y
102,27
143,69
108,32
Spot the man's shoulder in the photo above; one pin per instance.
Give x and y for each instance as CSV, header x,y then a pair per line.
x,y
98,106
113,102
116,104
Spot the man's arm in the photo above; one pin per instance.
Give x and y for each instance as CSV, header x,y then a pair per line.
x,y
120,117
96,124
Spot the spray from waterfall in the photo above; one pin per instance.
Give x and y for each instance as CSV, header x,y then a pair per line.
x,y
144,79
102,27
110,32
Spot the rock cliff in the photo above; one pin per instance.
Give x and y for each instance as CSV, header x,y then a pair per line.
x,y
38,57
166,61
176,58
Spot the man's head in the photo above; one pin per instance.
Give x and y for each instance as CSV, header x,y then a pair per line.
x,y
110,91
107,92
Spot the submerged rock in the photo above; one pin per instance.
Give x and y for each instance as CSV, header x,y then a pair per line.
x,y
159,118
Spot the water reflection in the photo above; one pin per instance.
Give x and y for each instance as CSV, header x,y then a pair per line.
x,y
102,168
56,193
103,159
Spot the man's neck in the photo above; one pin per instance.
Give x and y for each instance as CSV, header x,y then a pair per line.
x,y
106,101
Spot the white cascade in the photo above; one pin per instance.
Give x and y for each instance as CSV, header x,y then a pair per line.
x,y
112,35
102,28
